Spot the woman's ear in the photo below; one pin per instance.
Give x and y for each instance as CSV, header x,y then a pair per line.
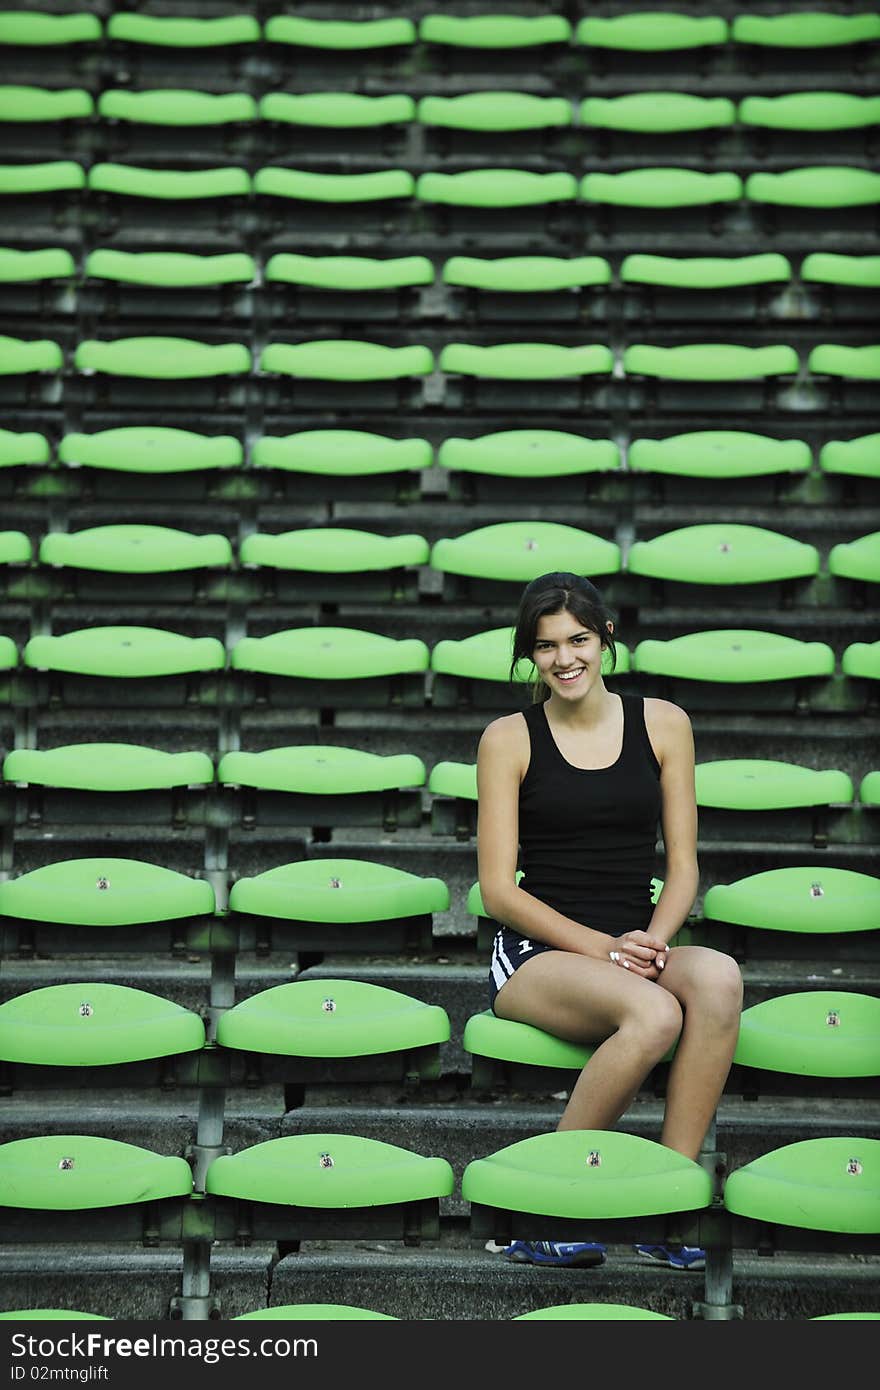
x,y
610,626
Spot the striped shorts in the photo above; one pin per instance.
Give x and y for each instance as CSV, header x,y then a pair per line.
x,y
509,952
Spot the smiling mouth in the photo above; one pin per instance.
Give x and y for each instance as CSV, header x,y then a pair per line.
x,y
569,675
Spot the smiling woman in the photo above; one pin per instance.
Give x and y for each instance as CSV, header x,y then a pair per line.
x,y
570,792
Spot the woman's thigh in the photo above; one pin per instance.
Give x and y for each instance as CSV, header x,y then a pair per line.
x,y
575,997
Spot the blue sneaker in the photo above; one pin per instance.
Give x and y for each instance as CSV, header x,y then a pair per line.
x,y
673,1256
582,1254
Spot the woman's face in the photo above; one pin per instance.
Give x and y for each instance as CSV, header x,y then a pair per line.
x,y
567,655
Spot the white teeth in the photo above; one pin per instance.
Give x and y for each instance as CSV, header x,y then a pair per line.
x,y
568,675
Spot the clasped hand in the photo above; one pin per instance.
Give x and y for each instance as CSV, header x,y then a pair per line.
x,y
639,953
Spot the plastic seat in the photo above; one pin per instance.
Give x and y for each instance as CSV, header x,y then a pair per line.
x,y
810,111
862,660
340,36
64,1187
110,783
341,453
150,449
453,787
709,361
338,1029
657,113
527,454
593,1312
161,31
178,270
304,185
705,272
350,562
764,799
322,784
51,176
337,110
723,553
736,667
94,1025
339,904
8,654
25,103
21,357
719,454
167,107
526,361
335,666
811,1034
170,187
833,268
15,548
496,188
869,789
820,186
668,188
489,31
178,563
101,898
837,360
517,551
854,458
592,1181
20,28
821,1185
819,909
162,359
804,29
360,274
857,560
651,32
346,360
332,1185
495,112
313,1312
22,448
533,275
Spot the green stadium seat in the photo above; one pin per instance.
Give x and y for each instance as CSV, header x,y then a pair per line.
x,y
526,463
810,111
704,288
334,667
453,788
89,1030
856,369
173,284
83,1188
760,799
24,29
513,552
833,268
796,1043
106,905
857,563
21,357
526,361
854,458
346,360
325,905
735,668
161,31
169,269
15,548
166,107
719,454
837,1317
136,561
22,448
35,267
821,186
657,113
161,358
351,563
8,654
340,36
336,1030
170,187
495,112
337,110
823,912
304,185
26,104
557,286
591,1183
804,29
676,378
52,1315
688,563
332,1186
341,454
869,789
150,449
360,274
109,783
140,667
51,176
661,188
496,188
323,785
494,32
595,1312
861,660
313,1312
651,31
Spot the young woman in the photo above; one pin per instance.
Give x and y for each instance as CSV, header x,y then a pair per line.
x,y
571,792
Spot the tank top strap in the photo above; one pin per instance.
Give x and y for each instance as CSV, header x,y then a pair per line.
x,y
636,742
540,737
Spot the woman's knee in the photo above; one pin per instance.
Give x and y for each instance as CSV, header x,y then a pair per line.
x,y
658,1019
720,986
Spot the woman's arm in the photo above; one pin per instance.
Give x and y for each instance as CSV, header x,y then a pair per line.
x,y
502,757
672,738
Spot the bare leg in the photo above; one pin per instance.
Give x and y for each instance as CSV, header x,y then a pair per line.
x,y
708,985
589,1001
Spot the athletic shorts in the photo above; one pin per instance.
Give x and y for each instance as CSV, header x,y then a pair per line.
x,y
509,952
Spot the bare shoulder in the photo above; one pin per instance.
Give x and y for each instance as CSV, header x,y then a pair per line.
x,y
506,735
669,727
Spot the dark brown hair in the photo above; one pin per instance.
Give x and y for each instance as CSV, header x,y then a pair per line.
x,y
559,592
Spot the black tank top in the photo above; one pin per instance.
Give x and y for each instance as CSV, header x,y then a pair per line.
x,y
588,838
